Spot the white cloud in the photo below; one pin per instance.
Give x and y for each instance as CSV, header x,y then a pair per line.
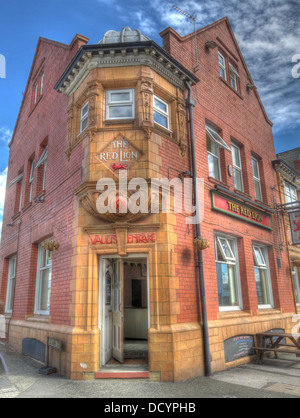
x,y
5,135
3,176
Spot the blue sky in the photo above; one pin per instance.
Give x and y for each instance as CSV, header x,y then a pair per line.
x,y
268,33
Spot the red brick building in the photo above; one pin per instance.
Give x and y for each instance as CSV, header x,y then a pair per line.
x,y
100,281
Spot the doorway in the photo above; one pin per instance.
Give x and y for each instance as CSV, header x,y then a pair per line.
x,y
124,315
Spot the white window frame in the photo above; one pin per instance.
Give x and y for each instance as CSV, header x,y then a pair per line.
x,y
235,166
31,180
43,161
234,75
263,250
42,84
36,92
12,269
40,270
223,66
215,157
296,284
84,116
21,195
290,192
234,261
216,137
257,179
130,102
161,112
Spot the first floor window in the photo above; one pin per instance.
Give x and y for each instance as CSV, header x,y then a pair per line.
x,y
229,287
237,167
119,104
257,180
262,277
43,289
296,284
12,266
290,193
214,166
31,179
161,112
84,119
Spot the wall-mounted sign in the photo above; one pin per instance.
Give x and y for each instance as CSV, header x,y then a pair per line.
x,y
238,347
120,154
295,227
232,207
140,238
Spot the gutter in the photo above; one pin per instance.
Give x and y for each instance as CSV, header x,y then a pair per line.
x,y
207,355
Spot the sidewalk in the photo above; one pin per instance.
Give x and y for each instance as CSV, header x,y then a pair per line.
x,y
252,381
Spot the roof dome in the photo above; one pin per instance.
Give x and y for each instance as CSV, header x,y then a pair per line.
x,y
124,36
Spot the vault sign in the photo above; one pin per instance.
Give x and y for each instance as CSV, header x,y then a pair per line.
x,y
120,154
295,227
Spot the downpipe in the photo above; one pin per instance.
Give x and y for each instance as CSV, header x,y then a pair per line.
x,y
207,355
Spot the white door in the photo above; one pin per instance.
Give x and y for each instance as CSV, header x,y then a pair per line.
x,y
108,310
118,312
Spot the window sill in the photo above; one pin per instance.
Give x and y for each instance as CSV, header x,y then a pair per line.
x,y
160,129
38,318
40,195
26,207
268,311
219,182
118,121
233,314
16,216
231,88
35,106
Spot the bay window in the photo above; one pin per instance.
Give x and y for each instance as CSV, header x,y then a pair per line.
x,y
161,112
84,119
120,104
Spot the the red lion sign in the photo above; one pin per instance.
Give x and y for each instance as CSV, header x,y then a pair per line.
x,y
297,225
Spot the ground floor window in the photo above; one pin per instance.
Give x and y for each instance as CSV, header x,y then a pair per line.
x,y
296,284
43,288
12,264
262,277
228,277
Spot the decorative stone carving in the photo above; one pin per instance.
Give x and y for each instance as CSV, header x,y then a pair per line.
x,y
147,101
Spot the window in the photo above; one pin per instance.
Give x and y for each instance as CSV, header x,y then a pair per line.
x,y
222,65
234,75
229,286
296,284
214,142
43,288
237,167
31,179
290,193
43,162
84,119
257,181
19,196
12,267
120,104
262,277
161,112
42,84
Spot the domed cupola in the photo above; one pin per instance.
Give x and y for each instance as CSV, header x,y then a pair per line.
x,y
126,35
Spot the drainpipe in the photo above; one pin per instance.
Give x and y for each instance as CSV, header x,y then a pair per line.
x,y
191,104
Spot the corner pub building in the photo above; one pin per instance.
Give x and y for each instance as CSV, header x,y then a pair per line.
x,y
125,288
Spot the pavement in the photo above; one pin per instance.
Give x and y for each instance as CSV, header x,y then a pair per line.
x,y
19,378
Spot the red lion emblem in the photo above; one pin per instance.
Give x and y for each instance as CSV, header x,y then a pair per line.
x,y
297,225
116,167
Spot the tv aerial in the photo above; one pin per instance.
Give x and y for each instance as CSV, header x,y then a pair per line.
x,y
193,19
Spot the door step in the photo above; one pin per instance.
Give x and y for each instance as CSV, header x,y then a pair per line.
x,y
122,375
